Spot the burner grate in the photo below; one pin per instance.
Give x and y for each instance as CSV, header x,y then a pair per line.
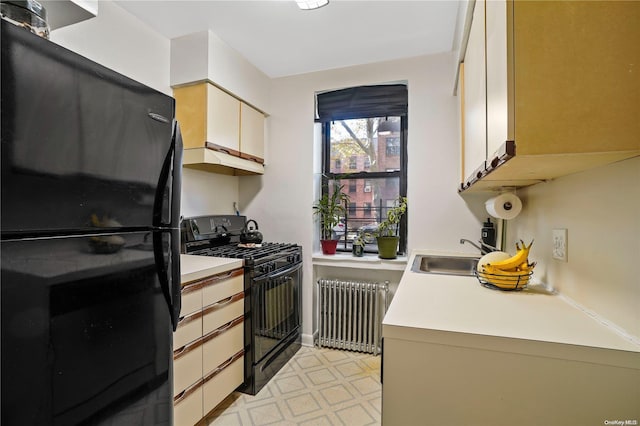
x,y
233,251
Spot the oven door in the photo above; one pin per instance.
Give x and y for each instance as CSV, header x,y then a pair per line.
x,y
276,305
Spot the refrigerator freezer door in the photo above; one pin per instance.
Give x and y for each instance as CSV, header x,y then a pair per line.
x,y
82,146
86,333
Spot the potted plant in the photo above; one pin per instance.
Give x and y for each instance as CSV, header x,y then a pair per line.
x,y
387,232
358,244
329,209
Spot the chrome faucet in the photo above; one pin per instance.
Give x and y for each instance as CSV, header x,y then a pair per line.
x,y
484,248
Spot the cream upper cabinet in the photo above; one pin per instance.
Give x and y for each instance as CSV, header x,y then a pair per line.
x,y
223,119
561,89
210,117
496,56
251,132
474,95
208,114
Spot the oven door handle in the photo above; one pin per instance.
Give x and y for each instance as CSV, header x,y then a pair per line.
x,y
279,274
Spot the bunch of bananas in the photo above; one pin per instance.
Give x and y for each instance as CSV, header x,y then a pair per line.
x,y
510,273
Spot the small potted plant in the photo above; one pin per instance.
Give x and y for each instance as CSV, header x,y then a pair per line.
x,y
329,209
387,232
358,244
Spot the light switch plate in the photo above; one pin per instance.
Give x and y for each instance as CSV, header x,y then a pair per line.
x,y
560,244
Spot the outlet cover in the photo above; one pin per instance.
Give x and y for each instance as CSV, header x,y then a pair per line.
x,y
560,244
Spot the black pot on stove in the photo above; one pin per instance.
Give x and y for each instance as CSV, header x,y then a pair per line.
x,y
250,235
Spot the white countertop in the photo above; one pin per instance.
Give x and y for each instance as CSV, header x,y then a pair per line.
x,y
445,308
197,267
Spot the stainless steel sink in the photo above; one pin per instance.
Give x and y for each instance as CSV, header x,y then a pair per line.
x,y
445,265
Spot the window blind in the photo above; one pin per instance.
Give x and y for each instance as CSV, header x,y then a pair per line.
x,y
362,102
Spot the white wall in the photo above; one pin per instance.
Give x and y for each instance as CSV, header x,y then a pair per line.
x,y
203,55
600,209
281,200
206,193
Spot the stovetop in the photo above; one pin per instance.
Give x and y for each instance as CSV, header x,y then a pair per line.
x,y
219,236
247,253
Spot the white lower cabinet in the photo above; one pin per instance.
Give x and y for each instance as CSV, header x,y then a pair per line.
x,y
208,345
222,381
187,366
187,409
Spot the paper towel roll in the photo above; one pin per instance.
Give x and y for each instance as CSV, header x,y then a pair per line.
x,y
504,206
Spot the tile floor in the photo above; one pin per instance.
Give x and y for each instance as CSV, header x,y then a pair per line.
x,y
316,387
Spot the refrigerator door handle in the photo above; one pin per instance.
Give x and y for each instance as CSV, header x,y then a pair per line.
x,y
169,280
177,177
171,168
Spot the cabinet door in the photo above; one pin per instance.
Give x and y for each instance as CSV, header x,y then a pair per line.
x,y
251,132
223,119
191,113
497,80
222,381
475,148
188,405
221,286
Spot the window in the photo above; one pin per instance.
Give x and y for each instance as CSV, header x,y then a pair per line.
x,y
351,120
338,163
353,162
393,146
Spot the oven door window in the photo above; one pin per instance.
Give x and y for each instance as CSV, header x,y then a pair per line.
x,y
276,309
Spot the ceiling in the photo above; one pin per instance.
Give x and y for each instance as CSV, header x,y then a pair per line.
x,y
281,40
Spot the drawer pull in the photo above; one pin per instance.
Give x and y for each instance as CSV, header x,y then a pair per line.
x,y
222,303
218,331
188,391
197,285
188,318
182,351
221,277
224,365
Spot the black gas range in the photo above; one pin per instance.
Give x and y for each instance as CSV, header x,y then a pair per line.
x,y
273,291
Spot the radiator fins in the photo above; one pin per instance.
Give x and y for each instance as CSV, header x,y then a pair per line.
x,y
349,314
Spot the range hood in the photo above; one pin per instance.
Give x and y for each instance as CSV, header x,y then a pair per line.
x,y
210,160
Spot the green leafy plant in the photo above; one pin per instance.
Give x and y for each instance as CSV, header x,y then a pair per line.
x,y
389,226
330,208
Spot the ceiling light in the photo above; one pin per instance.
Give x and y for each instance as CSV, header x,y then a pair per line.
x,y
311,4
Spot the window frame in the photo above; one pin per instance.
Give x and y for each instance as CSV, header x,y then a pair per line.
x,y
328,176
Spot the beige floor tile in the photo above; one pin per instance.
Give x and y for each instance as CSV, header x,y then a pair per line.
x,y
355,416
317,387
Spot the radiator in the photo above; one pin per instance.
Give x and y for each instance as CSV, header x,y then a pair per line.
x,y
349,314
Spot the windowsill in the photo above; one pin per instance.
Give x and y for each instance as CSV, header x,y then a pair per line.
x,y
368,261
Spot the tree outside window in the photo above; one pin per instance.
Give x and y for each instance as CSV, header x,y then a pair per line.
x,y
367,152
365,128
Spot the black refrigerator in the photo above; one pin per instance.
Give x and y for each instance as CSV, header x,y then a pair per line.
x,y
90,243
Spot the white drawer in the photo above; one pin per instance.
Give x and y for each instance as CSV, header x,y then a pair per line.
x,y
221,344
222,381
191,298
189,329
187,366
222,286
220,313
187,406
